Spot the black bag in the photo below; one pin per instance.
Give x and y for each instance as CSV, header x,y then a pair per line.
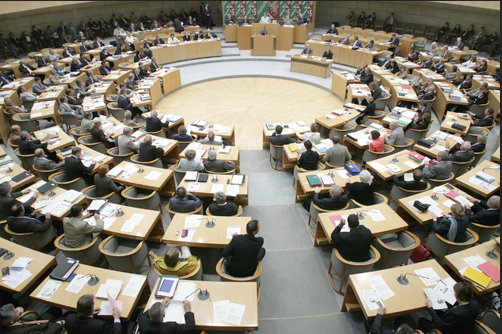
x,y
421,206
459,127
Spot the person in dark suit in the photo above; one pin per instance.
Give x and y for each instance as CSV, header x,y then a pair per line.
x,y
465,154
416,184
147,52
178,27
91,80
479,145
186,37
486,120
184,202
206,16
8,199
457,320
154,124
362,191
301,20
367,76
98,136
103,69
142,72
344,41
485,213
199,35
429,95
74,167
244,251
154,66
353,245
394,67
357,43
460,45
147,151
278,139
368,111
84,322
427,63
453,228
126,104
223,207
85,47
120,49
66,52
28,144
83,60
394,42
385,64
158,40
308,160
151,321
332,30
327,54
337,200
376,91
43,61
19,223
439,67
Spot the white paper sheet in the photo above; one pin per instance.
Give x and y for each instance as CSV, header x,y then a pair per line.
x,y
77,283
50,288
445,290
232,190
376,215
372,299
220,310
128,226
216,188
411,164
175,312
378,284
448,203
379,167
134,286
193,186
231,230
108,222
192,221
474,261
235,313
438,303
432,277
153,175
183,289
189,236
343,174
25,274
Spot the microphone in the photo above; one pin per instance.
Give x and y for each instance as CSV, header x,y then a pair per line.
x,y
9,255
360,214
286,123
141,169
395,159
202,295
210,125
214,179
491,254
119,213
51,193
434,197
210,223
93,280
10,170
401,279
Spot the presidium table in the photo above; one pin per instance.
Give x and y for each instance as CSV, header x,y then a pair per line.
x,y
311,65
286,35
263,45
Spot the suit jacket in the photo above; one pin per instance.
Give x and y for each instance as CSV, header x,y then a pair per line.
x,y
488,217
327,55
207,141
85,48
461,156
35,327
131,84
104,70
86,126
74,168
158,41
98,136
396,137
337,155
28,224
155,124
440,171
126,145
67,54
477,147
154,67
439,68
149,152
409,185
377,93
190,203
427,64
466,84
90,81
218,165
460,45
330,203
75,67
119,50
369,110
485,121
54,78
385,64
458,320
97,44
67,109
394,41
84,325
146,325
124,103
197,37
227,209
244,250
38,88
105,185
281,140
344,41
177,26
363,192
354,245
308,160
28,147
332,31
190,165
41,62
15,109
357,44
46,164
6,203
81,90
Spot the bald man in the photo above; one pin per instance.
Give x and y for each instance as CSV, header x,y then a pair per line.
x,y
486,212
465,154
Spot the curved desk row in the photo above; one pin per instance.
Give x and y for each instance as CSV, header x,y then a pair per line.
x,y
344,54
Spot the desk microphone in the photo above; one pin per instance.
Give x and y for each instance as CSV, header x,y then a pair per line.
x,y
214,179
51,193
491,254
202,295
395,159
141,169
10,170
434,196
119,213
93,279
286,123
401,279
360,214
210,223
210,125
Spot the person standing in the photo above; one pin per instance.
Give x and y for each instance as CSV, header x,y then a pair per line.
x,y
206,15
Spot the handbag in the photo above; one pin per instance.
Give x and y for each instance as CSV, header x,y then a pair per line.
x,y
420,254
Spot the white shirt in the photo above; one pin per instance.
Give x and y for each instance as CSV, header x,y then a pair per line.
x,y
469,64
172,40
265,19
131,39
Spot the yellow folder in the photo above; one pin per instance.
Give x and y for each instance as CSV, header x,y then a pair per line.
x,y
476,277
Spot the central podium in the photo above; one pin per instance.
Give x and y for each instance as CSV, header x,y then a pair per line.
x,y
263,45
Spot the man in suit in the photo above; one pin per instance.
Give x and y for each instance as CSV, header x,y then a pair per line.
x,y
28,144
155,25
222,207
4,78
199,36
38,87
386,63
53,56
486,120
357,43
439,67
125,143
25,68
131,82
84,47
362,191
42,163
147,52
186,37
125,103
147,151
8,199
229,20
13,109
15,131
158,40
337,200
485,213
83,60
19,223
473,94
344,41
66,52
151,321
394,42
184,202
86,123
120,49
154,124
142,72
99,136
427,63
178,26
103,69
389,23
309,159
191,21
459,45
210,140
91,80
163,17
75,64
43,61
132,28
74,167
103,28
482,98
278,139
217,166
337,155
81,91
442,168
327,54
396,136
366,77
332,30
353,245
478,38
244,251
465,154
206,16
301,20
154,66
416,184
98,43
210,35
84,322
370,46
70,110
422,109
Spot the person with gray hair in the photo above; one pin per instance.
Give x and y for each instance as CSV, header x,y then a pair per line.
x,y
439,169
337,155
337,200
486,213
131,82
155,124
151,321
210,139
182,135
221,206
86,123
42,163
8,199
128,121
217,166
189,163
465,154
80,90
396,136
54,78
10,322
149,152
67,109
362,192
28,144
98,136
84,322
184,202
313,135
125,143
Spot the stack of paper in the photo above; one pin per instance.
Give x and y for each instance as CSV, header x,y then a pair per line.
x,y
378,284
17,268
231,230
428,276
193,221
232,190
112,287
153,176
193,186
115,171
49,289
372,299
228,312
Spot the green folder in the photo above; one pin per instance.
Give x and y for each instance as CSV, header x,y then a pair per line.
x,y
314,180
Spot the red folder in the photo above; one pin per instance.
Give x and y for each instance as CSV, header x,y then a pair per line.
x,y
334,219
490,270
452,195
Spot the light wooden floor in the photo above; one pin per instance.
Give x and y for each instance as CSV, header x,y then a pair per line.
x,y
248,104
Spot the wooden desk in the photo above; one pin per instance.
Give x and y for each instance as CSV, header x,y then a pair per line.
x,y
105,88
378,72
230,32
58,191
172,125
343,54
154,92
228,136
426,73
410,96
171,79
117,76
243,293
171,150
164,185
492,65
492,84
340,81
304,189
215,237
409,214
494,99
403,62
271,28
263,45
95,105
2,152
360,91
353,145
233,155
74,46
450,119
47,109
387,119
72,81
52,96
402,156
300,34
463,180
290,159
186,50
433,151
456,262
325,125
290,132
63,142
107,160
380,44
118,59
145,64
408,299
392,223
285,38
443,99
45,71
206,187
40,264
14,67
406,44
92,67
496,156
244,37
310,65
16,169
68,300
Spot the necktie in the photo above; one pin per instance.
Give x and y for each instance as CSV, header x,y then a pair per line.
x,y
106,70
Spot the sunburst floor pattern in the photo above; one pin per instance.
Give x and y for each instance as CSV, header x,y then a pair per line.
x,y
249,103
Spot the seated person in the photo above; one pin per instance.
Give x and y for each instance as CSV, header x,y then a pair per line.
x,y
105,185
131,83
378,143
440,168
86,123
8,199
479,145
15,131
67,109
221,206
174,264
244,251
362,192
416,82
332,30
74,167
98,136
423,123
78,232
152,320
368,111
396,136
189,163
313,135
403,73
457,320
465,154
486,213
337,155
127,144
19,223
10,323
42,163
217,166
413,56
28,144
184,202
307,51
327,54
450,73
354,245
182,135
308,160
128,121
210,140
84,322
337,200
370,46
486,120
154,124
264,31
416,184
400,324
367,76
279,139
149,152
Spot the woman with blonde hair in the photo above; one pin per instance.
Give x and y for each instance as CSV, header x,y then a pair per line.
x,y
172,264
454,226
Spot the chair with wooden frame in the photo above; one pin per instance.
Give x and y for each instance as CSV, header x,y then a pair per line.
x,y
91,193
341,131
316,210
13,146
69,120
344,268
228,172
183,144
328,165
491,319
198,211
3,233
459,168
276,152
416,134
396,252
178,174
62,181
45,174
478,156
89,142
26,159
378,198
75,132
33,240
142,198
87,254
117,159
196,274
396,192
221,269
116,111
369,155
484,232
154,163
125,254
479,109
159,133
238,214
437,183
409,144
441,247
297,169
